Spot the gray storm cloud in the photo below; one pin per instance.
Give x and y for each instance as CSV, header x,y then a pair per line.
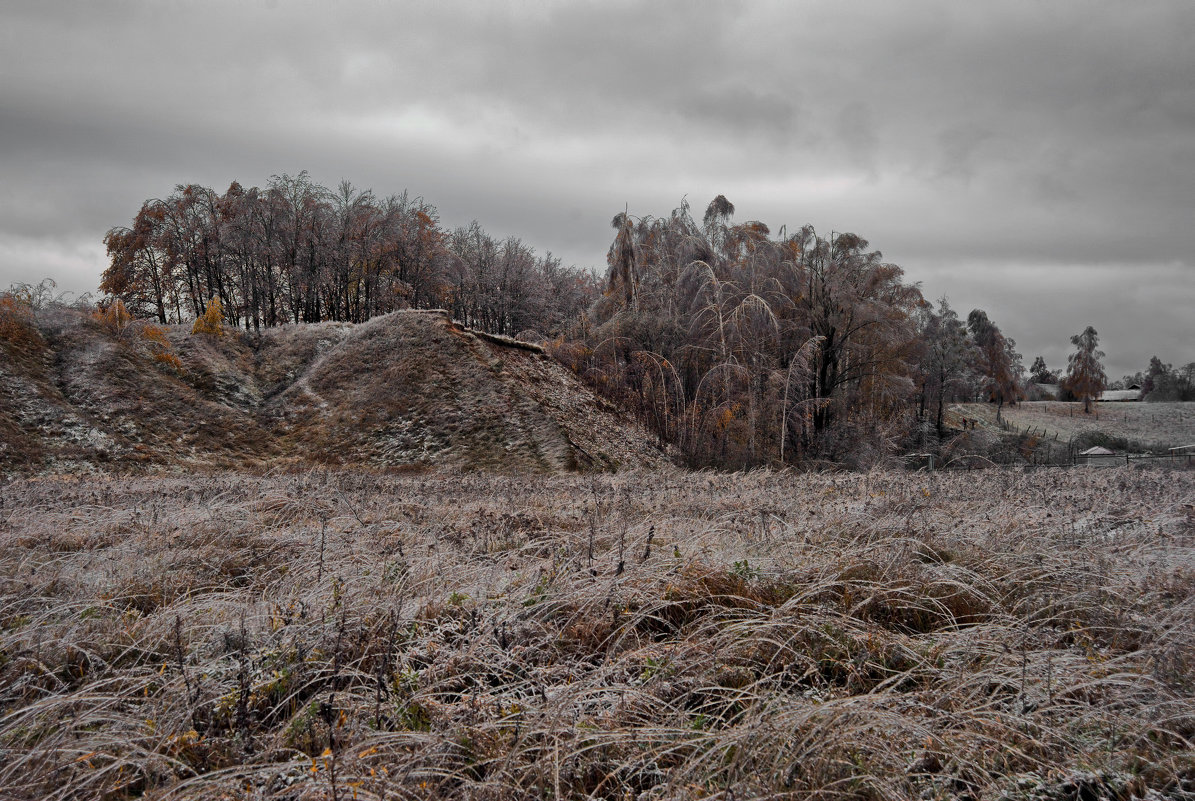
x,y
1034,159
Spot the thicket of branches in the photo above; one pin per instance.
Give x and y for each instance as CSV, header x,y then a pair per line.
x,y
747,349
296,251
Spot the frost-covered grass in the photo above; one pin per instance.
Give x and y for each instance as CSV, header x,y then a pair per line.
x,y
1138,425
646,635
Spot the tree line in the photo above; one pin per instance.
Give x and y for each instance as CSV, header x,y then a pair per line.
x,y
1085,379
1162,381
744,348
736,346
296,251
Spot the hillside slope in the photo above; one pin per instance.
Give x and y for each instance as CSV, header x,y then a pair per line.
x,y
406,389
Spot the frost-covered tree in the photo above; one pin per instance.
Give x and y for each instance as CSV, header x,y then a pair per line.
x,y
1085,373
296,251
945,358
743,348
1041,374
996,361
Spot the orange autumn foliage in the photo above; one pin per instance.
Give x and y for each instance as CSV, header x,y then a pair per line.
x,y
212,320
17,327
114,317
141,334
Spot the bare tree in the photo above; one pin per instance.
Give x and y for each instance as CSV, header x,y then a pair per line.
x,y
298,252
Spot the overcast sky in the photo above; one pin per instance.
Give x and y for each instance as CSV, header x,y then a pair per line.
x,y
1034,159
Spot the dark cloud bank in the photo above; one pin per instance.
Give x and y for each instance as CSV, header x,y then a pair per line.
x,y
1037,160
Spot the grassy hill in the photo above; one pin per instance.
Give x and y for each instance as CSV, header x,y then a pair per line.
x,y
406,389
349,634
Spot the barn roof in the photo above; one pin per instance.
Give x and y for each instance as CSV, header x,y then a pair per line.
x,y
1097,451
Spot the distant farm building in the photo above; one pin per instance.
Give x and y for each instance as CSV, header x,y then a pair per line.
x,y
1133,393
1099,457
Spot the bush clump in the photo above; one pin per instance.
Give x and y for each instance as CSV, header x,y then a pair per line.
x,y
211,322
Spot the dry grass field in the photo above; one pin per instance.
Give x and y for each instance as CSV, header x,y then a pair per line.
x,y
1142,426
352,635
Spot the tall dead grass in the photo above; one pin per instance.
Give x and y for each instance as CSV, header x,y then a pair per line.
x,y
347,635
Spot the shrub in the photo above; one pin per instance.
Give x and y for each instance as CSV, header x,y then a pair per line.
x,y
141,334
163,352
212,320
17,327
40,295
114,317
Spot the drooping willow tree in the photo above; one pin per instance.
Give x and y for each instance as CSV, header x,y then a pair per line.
x,y
1085,376
744,349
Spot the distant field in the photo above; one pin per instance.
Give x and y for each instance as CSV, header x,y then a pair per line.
x,y
1150,424
349,635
